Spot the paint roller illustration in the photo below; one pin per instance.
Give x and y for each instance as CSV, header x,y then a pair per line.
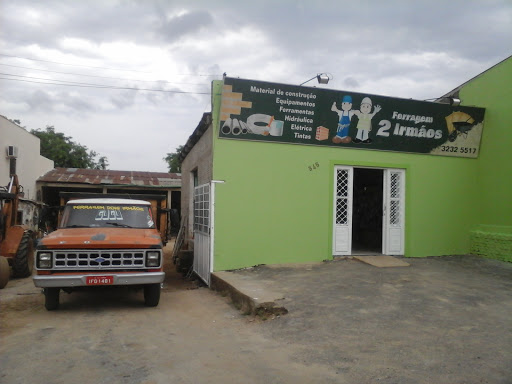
x,y
261,124
459,123
258,124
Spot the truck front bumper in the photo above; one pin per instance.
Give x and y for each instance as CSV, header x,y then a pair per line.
x,y
79,280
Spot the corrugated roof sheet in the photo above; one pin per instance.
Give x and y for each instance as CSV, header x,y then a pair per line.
x,y
108,177
201,128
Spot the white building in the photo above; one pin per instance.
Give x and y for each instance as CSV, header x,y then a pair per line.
x,y
25,148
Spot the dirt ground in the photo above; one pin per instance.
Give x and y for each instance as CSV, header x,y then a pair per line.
x,y
441,320
108,336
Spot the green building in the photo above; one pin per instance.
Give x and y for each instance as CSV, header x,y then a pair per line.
x,y
288,174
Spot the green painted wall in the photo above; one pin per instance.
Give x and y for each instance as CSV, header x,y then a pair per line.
x,y
273,209
493,91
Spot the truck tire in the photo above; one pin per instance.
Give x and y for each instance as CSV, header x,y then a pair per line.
x,y
51,298
24,260
151,295
4,272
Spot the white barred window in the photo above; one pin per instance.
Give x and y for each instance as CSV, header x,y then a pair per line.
x,y
202,208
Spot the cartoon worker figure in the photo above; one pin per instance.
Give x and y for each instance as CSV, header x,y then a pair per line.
x,y
364,126
345,116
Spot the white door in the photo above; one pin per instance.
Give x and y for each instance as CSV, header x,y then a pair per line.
x,y
202,232
394,209
342,216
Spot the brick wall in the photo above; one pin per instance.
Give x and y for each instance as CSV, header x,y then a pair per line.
x,y
491,241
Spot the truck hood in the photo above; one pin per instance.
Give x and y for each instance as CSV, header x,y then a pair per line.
x,y
101,238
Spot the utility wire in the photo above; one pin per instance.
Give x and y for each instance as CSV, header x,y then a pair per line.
x,y
74,65
106,87
101,77
88,66
62,81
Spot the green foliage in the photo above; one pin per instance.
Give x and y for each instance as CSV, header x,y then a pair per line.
x,y
173,160
102,163
65,152
16,121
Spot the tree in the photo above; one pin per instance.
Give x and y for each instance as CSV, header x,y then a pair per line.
x,y
102,163
173,160
65,152
16,121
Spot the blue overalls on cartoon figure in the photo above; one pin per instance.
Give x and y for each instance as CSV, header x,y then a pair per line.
x,y
343,125
345,116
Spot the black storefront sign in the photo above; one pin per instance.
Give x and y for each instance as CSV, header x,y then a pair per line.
x,y
271,112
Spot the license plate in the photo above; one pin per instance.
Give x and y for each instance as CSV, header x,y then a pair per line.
x,y
99,280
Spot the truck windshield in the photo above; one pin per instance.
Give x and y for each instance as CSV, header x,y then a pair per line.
x,y
107,215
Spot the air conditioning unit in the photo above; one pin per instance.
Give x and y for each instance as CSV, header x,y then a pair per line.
x,y
12,152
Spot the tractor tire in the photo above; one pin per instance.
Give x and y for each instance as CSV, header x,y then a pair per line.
x,y
24,260
151,295
5,272
51,298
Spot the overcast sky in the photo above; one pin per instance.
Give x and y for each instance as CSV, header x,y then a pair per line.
x,y
151,62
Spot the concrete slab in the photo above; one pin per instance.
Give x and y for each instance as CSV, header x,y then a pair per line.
x,y
255,295
250,295
382,261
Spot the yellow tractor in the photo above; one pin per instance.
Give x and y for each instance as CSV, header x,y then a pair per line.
x,y
16,239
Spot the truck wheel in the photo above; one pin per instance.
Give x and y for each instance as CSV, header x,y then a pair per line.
x,y
151,295
4,271
24,260
51,298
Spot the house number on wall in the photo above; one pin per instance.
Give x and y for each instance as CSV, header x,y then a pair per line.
x,y
314,166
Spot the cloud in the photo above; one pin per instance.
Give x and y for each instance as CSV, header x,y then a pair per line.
x,y
123,99
185,24
40,100
418,49
55,102
75,103
350,82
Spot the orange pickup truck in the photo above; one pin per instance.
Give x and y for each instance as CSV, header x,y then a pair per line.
x,y
101,242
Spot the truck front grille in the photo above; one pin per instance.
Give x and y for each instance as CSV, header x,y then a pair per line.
x,y
96,259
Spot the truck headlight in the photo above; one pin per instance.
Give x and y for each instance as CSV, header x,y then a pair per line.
x,y
44,260
152,259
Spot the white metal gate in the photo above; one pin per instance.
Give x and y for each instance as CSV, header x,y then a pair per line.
x,y
202,232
